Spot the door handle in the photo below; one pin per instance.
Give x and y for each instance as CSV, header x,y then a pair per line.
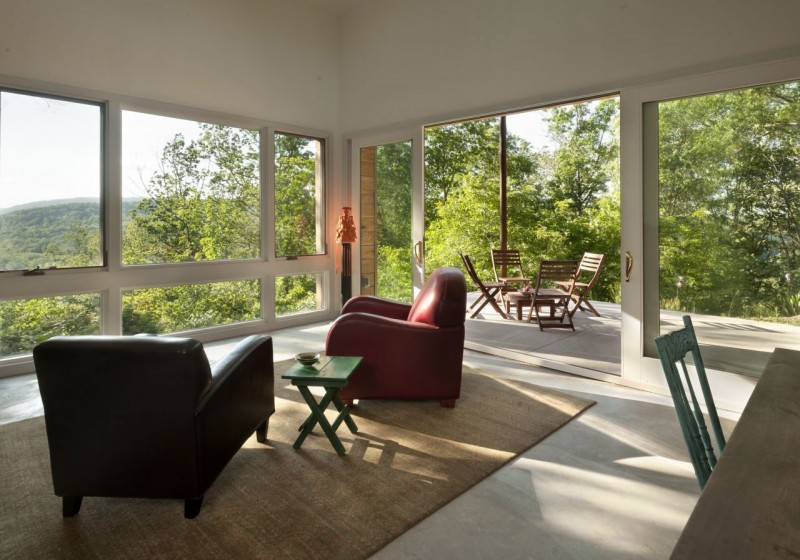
x,y
628,265
419,251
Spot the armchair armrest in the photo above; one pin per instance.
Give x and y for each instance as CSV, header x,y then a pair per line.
x,y
382,339
377,306
402,359
240,400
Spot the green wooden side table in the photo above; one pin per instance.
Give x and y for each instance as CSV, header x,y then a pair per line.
x,y
331,373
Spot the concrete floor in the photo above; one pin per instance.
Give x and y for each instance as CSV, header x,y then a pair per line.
x,y
615,483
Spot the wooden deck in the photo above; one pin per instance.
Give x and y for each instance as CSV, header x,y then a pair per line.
x,y
594,349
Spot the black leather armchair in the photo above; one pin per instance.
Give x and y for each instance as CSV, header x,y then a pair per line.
x,y
132,416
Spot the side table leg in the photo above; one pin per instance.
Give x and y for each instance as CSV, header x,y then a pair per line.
x,y
344,414
317,411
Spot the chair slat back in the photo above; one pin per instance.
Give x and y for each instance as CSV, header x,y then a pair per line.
x,y
673,349
551,272
470,268
506,259
591,263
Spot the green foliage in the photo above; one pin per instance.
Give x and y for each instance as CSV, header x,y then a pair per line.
x,y
393,202
203,204
296,198
24,323
729,192
62,235
192,306
394,273
560,203
296,293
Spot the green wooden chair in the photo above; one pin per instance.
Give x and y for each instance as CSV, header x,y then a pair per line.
x,y
673,349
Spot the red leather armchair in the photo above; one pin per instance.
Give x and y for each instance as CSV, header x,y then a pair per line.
x,y
411,352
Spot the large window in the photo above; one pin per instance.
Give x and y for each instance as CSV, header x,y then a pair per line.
x,y
386,199
729,236
191,190
51,169
299,195
161,214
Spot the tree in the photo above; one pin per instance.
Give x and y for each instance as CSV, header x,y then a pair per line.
x,y
462,190
393,209
729,171
295,195
203,204
587,146
561,203
27,322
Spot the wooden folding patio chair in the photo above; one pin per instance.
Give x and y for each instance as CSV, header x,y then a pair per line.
x,y
555,299
585,277
489,291
507,265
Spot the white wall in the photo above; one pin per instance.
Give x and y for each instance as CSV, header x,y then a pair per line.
x,y
405,62
267,59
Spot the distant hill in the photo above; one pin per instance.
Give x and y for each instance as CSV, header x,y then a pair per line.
x,y
41,203
60,201
28,230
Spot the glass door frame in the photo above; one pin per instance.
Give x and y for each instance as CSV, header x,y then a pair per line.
x,y
415,135
639,221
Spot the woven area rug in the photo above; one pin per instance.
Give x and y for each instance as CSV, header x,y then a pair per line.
x,y
408,460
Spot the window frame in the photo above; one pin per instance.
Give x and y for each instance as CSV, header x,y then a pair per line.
x,y
102,107
200,118
114,278
322,204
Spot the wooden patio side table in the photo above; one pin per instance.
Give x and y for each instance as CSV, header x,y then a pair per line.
x,y
518,300
332,373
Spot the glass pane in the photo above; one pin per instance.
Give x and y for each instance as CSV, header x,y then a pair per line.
x,y
298,293
299,196
462,193
393,212
563,187
191,191
729,238
386,221
192,306
24,323
50,182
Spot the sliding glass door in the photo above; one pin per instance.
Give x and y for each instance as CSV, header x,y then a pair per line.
x,y
712,229
389,212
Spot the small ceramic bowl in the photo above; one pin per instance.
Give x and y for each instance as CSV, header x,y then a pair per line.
x,y
307,358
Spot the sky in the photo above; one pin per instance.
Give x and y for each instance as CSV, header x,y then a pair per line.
x,y
143,138
50,149
530,126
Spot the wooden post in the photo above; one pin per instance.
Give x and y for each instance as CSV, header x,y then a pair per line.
x,y
347,271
